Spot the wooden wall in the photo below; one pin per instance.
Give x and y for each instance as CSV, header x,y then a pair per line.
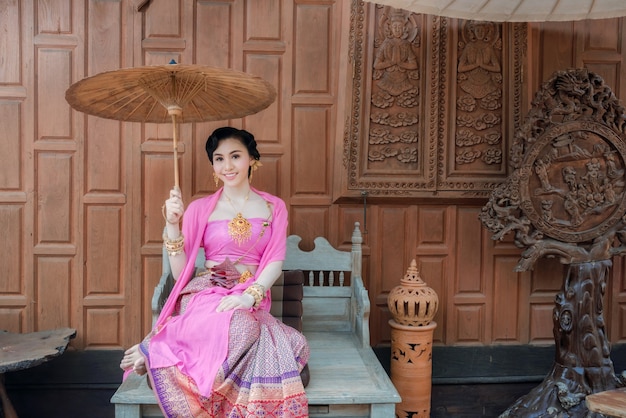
x,y
80,196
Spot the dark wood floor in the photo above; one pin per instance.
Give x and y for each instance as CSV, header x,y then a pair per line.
x,y
467,382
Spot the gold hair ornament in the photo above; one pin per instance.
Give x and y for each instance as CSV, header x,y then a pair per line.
x,y
254,166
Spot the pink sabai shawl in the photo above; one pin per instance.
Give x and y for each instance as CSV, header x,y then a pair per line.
x,y
180,340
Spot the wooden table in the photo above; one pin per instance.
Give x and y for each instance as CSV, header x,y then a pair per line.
x,y
609,402
22,351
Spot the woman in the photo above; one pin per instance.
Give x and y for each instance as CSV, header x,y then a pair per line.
x,y
216,351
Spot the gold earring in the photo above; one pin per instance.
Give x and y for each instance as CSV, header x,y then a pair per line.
x,y
216,179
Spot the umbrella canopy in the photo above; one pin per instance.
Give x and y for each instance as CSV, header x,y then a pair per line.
x,y
150,94
176,92
514,10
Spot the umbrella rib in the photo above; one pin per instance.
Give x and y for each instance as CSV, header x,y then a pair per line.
x,y
519,4
181,92
195,108
127,104
149,110
190,90
211,107
482,6
123,102
593,4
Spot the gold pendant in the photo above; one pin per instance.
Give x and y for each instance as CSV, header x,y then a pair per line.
x,y
239,229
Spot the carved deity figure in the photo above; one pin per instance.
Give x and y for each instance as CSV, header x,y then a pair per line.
x,y
479,81
395,64
395,89
479,59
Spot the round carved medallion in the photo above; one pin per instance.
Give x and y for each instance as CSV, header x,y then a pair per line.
x,y
572,181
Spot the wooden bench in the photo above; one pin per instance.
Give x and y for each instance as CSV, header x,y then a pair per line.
x,y
347,380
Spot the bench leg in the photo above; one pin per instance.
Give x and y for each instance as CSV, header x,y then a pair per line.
x,y
382,410
127,411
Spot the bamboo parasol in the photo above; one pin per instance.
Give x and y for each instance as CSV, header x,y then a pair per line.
x,y
172,92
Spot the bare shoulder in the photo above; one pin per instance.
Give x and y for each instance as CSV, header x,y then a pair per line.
x,y
261,205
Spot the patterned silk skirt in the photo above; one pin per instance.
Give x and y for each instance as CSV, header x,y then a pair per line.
x,y
259,378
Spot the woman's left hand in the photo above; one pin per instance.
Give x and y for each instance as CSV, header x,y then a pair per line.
x,y
243,301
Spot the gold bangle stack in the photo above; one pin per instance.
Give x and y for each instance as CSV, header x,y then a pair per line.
x,y
174,246
257,291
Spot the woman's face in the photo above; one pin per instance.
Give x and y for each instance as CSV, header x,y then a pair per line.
x,y
231,161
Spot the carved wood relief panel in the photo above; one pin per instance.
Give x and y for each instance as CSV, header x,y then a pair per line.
x,y
434,103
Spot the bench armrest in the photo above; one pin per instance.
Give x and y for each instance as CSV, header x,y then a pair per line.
x,y
361,310
161,292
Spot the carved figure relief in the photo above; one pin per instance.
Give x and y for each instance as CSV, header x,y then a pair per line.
x,y
395,88
479,95
581,174
566,196
412,130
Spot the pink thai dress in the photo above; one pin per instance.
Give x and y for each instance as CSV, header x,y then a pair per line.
x,y
239,363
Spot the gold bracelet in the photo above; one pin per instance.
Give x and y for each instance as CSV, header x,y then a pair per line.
x,y
174,251
174,246
257,291
175,241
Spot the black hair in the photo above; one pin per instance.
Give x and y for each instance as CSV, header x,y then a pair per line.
x,y
228,132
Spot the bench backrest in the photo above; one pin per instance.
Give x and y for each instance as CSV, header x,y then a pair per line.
x,y
328,304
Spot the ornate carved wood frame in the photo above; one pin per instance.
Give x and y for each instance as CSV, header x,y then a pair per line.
x,y
434,103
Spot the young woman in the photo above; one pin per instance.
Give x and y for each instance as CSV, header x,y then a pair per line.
x,y
216,351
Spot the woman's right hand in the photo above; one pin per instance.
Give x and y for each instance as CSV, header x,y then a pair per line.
x,y
174,207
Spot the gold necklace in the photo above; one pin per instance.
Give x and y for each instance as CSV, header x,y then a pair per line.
x,y
239,228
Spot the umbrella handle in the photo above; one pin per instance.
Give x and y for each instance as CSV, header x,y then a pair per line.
x,y
175,143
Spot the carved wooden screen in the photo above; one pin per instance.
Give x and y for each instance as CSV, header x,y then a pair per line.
x,y
434,101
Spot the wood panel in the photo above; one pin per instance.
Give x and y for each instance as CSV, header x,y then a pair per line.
x,y
311,221
73,218
105,282
80,196
16,176
601,49
507,301
435,236
311,151
10,43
